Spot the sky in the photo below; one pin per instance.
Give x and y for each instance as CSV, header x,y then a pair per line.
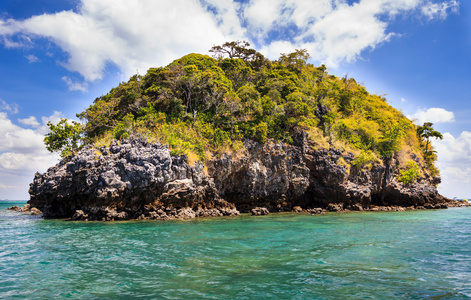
x,y
57,56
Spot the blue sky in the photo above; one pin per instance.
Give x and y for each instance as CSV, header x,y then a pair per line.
x,y
57,56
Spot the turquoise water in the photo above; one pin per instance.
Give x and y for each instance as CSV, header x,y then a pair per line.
x,y
412,255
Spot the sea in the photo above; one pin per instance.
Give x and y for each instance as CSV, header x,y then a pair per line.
x,y
357,255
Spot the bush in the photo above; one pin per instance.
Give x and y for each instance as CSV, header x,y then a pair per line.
x,y
410,174
365,159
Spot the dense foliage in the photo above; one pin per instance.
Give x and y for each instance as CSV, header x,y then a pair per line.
x,y
202,106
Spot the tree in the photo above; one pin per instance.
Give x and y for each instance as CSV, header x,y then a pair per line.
x,y
239,49
233,106
237,71
64,137
295,60
100,116
391,139
426,132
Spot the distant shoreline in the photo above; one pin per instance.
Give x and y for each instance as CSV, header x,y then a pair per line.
x,y
13,200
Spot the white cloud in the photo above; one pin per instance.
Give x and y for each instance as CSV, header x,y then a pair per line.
x,y
262,16
276,48
403,100
439,10
332,31
434,115
133,35
454,162
22,153
32,58
227,18
18,139
10,108
136,35
30,121
455,150
26,163
54,118
74,85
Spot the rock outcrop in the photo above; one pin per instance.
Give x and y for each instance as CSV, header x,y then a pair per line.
x,y
280,177
134,179
27,208
129,180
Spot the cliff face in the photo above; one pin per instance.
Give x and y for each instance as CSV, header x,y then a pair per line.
x,y
134,180
139,180
281,177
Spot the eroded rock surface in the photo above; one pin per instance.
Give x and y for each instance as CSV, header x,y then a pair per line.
x,y
135,179
131,180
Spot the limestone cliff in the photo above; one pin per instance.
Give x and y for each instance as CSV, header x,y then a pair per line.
x,y
135,179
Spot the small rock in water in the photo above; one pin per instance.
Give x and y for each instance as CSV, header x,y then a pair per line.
x,y
315,211
79,215
334,207
260,211
25,208
34,211
357,207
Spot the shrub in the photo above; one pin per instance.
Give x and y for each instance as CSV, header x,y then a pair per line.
x,y
365,159
409,174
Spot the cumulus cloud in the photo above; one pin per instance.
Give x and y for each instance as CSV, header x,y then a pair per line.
x,y
17,139
434,115
455,151
136,35
21,163
22,153
454,162
54,118
132,35
30,121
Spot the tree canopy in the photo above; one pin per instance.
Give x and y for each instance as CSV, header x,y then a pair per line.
x,y
426,132
202,105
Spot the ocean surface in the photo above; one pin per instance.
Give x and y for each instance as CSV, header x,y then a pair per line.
x,y
370,255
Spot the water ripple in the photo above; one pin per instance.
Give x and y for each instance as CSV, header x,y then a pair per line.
x,y
418,255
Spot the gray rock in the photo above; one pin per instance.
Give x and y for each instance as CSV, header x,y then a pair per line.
x,y
134,179
119,184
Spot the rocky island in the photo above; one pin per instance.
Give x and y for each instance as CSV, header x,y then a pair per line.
x,y
235,133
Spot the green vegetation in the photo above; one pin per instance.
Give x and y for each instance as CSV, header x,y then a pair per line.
x,y
202,106
64,137
410,173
